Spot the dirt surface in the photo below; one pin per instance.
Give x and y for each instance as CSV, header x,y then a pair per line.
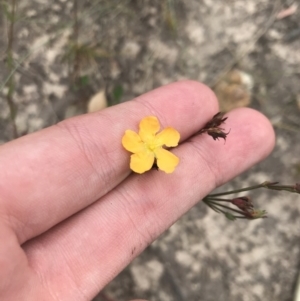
x,y
131,47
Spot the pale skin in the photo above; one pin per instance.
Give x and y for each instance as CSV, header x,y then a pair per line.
x,y
72,215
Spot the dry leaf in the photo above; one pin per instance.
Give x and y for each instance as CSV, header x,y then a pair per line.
x,y
97,102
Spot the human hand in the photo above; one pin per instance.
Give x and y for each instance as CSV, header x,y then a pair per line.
x,y
72,215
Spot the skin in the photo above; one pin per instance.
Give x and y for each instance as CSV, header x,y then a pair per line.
x,y
72,215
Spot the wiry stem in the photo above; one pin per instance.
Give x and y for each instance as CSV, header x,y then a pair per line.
x,y
226,207
262,185
10,84
244,203
76,65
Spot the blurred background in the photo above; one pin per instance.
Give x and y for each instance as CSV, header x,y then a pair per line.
x,y
63,58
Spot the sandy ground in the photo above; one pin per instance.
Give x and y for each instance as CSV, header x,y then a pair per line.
x,y
135,46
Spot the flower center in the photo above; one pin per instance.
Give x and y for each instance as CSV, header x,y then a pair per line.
x,y
152,144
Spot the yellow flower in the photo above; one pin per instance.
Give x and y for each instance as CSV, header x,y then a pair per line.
x,y
147,146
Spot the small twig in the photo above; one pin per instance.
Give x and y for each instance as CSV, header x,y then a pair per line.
x,y
10,83
76,65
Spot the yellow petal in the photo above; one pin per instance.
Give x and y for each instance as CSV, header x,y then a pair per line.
x,y
142,161
169,137
149,126
132,142
166,161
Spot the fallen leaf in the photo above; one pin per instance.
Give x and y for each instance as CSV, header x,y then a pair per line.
x,y
97,102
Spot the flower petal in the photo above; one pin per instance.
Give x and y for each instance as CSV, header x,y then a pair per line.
x,y
166,161
169,137
149,126
132,142
142,161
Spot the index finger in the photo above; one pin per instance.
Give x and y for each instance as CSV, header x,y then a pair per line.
x,y
52,174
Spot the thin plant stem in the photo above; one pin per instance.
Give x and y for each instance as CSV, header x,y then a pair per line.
x,y
226,207
212,206
218,210
10,65
218,199
238,190
76,65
